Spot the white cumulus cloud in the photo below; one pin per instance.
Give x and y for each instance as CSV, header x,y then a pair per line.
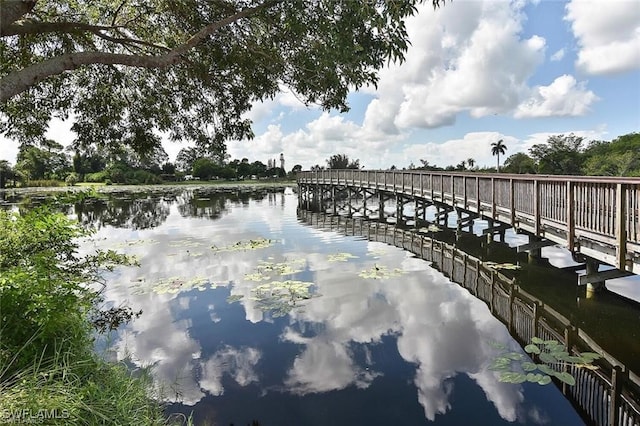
x,y
608,34
468,56
563,97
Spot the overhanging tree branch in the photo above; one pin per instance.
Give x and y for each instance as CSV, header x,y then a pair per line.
x,y
19,81
12,10
35,27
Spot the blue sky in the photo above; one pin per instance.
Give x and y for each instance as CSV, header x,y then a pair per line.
x,y
477,71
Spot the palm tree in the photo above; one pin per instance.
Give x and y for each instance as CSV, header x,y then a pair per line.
x,y
498,148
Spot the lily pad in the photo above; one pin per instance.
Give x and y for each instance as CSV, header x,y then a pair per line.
x,y
280,297
258,243
545,380
282,268
340,257
513,377
380,272
172,285
552,352
548,358
565,377
256,276
532,349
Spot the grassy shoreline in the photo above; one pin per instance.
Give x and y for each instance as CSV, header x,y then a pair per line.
x,y
50,308
222,185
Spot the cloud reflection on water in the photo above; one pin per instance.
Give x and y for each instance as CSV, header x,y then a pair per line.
x,y
440,328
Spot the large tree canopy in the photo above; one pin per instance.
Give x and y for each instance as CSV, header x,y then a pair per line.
x,y
126,68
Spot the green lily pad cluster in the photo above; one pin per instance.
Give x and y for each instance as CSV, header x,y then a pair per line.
x,y
134,243
258,243
282,268
340,257
266,270
280,297
380,272
501,266
171,285
514,367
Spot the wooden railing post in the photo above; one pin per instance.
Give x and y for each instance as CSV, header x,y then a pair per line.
x,y
493,290
464,192
479,210
453,191
621,226
536,207
536,318
614,402
431,181
512,294
512,202
571,222
493,198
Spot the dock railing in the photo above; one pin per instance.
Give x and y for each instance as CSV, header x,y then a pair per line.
x,y
595,216
609,395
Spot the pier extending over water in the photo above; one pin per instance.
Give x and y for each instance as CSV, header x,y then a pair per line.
x,y
596,218
608,395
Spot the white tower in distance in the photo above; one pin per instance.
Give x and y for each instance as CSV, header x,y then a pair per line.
x,y
282,161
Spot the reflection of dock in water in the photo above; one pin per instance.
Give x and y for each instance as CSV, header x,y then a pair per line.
x,y
609,395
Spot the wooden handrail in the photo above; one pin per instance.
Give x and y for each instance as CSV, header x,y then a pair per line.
x,y
622,384
593,215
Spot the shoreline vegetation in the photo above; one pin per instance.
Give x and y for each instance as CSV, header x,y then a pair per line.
x,y
101,187
51,312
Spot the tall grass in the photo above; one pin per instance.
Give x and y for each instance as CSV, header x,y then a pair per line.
x,y
49,372
80,392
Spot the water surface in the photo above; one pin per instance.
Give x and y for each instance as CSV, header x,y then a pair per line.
x,y
249,314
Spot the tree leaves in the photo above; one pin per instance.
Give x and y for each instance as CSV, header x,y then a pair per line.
x,y
320,50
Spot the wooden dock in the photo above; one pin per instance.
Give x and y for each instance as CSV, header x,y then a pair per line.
x,y
595,218
607,396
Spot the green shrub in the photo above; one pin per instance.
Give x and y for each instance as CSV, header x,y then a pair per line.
x,y
141,177
96,177
46,330
117,175
44,297
72,178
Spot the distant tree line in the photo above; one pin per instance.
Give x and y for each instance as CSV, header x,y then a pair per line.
x,y
570,155
49,164
561,155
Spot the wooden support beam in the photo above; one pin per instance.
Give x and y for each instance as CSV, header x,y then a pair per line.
x,y
535,245
599,277
574,268
497,228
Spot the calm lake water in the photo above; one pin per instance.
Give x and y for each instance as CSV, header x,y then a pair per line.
x,y
250,314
